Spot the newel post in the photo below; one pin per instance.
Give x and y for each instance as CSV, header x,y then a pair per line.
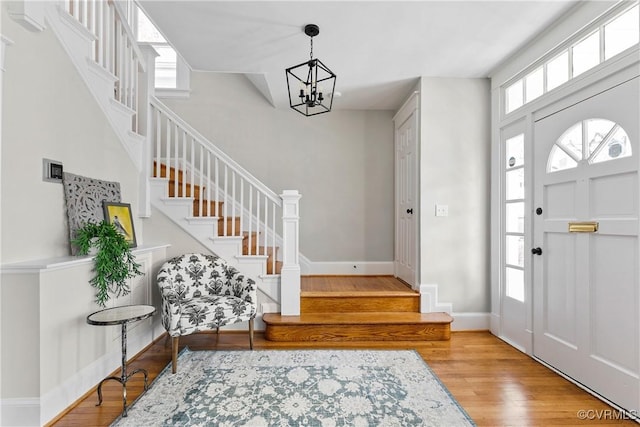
x,y
290,274
146,88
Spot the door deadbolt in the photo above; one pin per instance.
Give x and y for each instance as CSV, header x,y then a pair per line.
x,y
539,211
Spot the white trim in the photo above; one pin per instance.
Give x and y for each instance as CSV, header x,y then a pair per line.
x,y
29,14
38,411
4,42
20,412
50,264
429,300
347,268
164,92
59,398
470,321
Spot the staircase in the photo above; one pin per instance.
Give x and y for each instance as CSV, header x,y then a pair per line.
x,y
369,315
212,198
179,188
182,174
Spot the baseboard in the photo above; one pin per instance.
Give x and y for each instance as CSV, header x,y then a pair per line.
x,y
470,321
429,300
59,398
20,412
351,268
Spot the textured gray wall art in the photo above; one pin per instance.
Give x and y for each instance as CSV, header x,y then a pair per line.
x,y
84,198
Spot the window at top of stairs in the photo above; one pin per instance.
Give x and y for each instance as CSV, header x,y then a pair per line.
x,y
170,67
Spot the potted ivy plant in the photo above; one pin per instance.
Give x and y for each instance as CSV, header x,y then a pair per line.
x,y
113,262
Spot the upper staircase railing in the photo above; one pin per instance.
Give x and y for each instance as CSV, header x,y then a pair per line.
x,y
115,47
243,206
221,188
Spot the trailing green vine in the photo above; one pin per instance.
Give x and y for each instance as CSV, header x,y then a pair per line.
x,y
113,264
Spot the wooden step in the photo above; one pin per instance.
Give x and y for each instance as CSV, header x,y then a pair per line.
x,y
358,327
184,190
208,208
360,302
245,241
270,267
163,172
228,223
260,250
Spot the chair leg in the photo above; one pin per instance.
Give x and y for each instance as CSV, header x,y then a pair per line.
x,y
251,334
174,354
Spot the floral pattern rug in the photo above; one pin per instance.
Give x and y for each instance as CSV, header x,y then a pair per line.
x,y
297,388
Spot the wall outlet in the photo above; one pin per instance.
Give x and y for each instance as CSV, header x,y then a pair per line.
x,y
442,210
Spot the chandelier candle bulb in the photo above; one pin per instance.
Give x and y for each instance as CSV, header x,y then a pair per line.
x,y
311,98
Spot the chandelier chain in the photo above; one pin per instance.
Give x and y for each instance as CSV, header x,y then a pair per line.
x,y
311,54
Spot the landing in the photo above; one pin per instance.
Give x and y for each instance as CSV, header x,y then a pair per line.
x,y
351,284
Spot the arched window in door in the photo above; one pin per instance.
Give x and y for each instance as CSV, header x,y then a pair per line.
x,y
592,141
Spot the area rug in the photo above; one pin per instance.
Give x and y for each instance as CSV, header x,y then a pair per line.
x,y
297,388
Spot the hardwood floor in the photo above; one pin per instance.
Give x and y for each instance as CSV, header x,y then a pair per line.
x,y
352,284
496,384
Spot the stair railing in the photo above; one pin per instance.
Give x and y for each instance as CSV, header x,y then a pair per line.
x,y
115,47
224,189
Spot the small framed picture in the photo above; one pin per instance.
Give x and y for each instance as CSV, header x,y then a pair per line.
x,y
119,214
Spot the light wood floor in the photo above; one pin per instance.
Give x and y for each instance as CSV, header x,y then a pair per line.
x,y
353,284
496,384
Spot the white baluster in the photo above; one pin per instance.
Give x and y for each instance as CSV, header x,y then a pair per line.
x,y
158,141
225,207
250,237
184,163
217,187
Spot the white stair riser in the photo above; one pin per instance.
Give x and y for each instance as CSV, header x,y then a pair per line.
x,y
229,248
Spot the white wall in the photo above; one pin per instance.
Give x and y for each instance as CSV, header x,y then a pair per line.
x,y
49,113
454,171
341,162
50,355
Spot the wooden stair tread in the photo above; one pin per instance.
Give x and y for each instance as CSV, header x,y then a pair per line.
x,y
358,294
227,226
377,318
357,326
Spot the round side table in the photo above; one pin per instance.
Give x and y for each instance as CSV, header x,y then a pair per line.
x,y
122,316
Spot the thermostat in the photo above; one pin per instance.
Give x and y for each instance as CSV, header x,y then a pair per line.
x,y
51,170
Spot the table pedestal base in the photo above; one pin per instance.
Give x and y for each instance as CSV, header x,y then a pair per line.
x,y
124,377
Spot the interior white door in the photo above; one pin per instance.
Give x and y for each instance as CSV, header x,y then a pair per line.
x,y
585,283
406,162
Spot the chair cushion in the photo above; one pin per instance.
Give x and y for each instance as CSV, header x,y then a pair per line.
x,y
208,312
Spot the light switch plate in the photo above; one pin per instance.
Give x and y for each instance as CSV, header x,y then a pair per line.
x,y
442,210
51,170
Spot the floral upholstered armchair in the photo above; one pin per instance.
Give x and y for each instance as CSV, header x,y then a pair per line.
x,y
202,293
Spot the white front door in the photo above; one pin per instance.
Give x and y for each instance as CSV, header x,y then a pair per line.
x,y
586,254
406,164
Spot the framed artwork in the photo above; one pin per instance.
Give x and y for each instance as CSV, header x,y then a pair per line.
x,y
119,214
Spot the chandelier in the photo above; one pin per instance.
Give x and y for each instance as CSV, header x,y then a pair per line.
x,y
311,84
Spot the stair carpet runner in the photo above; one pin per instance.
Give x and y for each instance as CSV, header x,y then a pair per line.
x,y
227,226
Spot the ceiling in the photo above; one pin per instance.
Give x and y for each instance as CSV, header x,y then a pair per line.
x,y
378,49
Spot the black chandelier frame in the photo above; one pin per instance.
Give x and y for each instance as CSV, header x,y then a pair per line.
x,y
310,83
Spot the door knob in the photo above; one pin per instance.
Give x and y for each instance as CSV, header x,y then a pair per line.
x,y
536,251
410,211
